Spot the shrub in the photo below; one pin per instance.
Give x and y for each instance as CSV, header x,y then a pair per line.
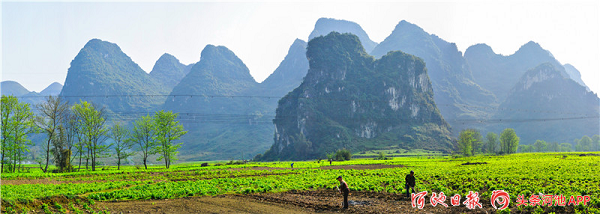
x,y
343,154
381,156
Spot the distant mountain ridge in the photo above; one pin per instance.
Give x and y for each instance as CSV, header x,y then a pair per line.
x,y
16,89
169,71
12,88
546,105
337,106
213,104
53,89
103,74
457,96
575,75
230,115
499,73
325,26
208,94
289,73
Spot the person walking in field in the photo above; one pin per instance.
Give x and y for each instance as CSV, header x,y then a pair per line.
x,y
410,183
343,189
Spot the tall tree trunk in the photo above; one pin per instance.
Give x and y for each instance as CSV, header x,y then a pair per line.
x,y
2,163
14,165
93,160
14,154
19,158
145,157
87,159
118,162
47,154
80,154
166,158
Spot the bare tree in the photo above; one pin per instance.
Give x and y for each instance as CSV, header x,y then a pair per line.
x,y
71,134
52,113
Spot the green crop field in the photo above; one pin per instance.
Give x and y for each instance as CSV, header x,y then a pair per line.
x,y
568,174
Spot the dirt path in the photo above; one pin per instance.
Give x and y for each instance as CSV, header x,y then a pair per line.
x,y
322,201
208,204
360,202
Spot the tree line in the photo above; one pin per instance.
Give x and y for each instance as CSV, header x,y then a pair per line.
x,y
80,133
470,142
585,144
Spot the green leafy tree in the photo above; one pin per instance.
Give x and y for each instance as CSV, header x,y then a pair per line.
x,y
469,142
167,130
92,125
8,105
122,146
80,142
143,136
464,142
525,148
17,123
540,146
330,156
509,141
477,145
492,142
596,143
565,147
576,144
553,147
52,114
585,144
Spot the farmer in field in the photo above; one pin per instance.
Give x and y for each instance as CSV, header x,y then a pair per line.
x,y
343,189
410,183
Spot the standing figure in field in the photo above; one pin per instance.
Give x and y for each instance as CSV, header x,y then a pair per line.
x,y
292,165
343,189
410,183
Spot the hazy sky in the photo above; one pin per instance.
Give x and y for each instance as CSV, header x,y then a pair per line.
x,y
39,39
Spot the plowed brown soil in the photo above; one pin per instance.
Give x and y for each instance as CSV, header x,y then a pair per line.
x,y
322,201
359,167
362,167
208,204
42,181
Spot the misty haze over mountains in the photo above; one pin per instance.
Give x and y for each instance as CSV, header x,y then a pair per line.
x,y
229,114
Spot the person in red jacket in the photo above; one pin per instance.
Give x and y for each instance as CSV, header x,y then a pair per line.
x,y
343,189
